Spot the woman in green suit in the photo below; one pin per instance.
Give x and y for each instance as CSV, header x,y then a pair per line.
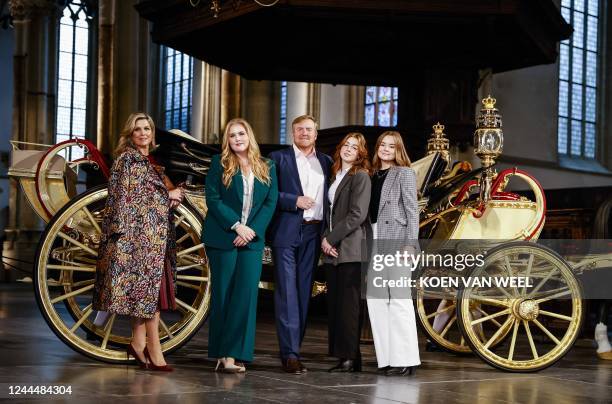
x,y
241,195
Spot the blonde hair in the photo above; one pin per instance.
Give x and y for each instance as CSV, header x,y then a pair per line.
x,y
401,157
229,159
361,162
125,137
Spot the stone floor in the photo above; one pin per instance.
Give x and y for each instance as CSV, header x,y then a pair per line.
x,y
30,353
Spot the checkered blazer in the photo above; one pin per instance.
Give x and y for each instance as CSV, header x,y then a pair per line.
x,y
398,212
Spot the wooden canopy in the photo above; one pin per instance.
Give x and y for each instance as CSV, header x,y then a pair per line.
x,y
359,41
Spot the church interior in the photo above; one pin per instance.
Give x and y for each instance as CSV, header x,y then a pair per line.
x,y
76,69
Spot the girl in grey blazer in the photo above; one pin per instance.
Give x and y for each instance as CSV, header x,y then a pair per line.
x,y
344,249
395,224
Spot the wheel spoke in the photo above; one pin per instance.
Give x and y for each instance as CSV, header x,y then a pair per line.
x,y
86,313
190,249
530,338
108,329
498,332
527,273
448,325
165,328
179,220
183,238
556,315
489,301
72,268
186,306
486,314
185,267
462,343
91,219
447,308
490,317
513,341
510,274
77,243
188,285
553,296
73,293
192,278
545,330
542,282
82,283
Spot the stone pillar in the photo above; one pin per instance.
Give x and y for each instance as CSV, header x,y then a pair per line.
x,y
297,104
35,60
106,120
262,109
355,104
231,101
206,107
314,100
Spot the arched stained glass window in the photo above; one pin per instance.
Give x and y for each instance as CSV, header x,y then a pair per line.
x,y
73,70
579,60
381,106
283,112
178,86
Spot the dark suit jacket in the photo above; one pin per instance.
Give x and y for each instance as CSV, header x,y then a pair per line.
x,y
284,230
225,207
349,219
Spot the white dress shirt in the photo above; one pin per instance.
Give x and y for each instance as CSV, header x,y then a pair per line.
x,y
332,192
312,179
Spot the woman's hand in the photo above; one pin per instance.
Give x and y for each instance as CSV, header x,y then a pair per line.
x,y
245,232
176,195
328,249
240,242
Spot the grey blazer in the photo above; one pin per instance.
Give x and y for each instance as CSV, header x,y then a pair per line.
x,y
349,219
398,212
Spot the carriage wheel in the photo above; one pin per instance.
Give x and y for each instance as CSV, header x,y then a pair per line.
x,y
542,321
437,312
64,280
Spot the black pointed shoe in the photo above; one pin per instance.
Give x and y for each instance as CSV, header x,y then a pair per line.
x,y
347,365
401,371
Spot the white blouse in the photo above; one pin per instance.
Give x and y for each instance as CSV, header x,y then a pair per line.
x,y
247,196
331,193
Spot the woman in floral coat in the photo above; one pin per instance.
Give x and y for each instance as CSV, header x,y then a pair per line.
x,y
137,255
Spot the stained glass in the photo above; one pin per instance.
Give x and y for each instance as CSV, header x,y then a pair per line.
x,y
563,98
394,113
64,93
579,5
578,25
589,140
63,121
395,91
384,114
80,95
283,113
78,122
593,6
562,143
81,41
577,64
80,68
369,115
564,62
370,96
576,140
178,90
590,104
591,69
592,34
384,94
566,13
576,101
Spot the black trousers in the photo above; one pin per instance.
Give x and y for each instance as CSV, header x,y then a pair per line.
x,y
345,309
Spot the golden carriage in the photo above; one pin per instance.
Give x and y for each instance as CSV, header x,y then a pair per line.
x,y
494,326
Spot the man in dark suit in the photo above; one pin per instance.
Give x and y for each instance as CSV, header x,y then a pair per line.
x,y
295,234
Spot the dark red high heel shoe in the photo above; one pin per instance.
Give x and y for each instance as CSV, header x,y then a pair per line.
x,y
131,351
153,366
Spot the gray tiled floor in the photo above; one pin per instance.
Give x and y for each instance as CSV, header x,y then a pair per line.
x,y
31,353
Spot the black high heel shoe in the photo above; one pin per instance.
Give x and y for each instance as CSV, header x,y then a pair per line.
x,y
132,352
401,371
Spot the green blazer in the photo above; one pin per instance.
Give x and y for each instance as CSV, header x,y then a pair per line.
x,y
225,207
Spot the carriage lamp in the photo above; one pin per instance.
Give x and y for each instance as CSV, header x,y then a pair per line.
x,y
488,143
438,143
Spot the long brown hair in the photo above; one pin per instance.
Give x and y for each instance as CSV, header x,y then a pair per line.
x,y
362,163
401,157
229,159
125,137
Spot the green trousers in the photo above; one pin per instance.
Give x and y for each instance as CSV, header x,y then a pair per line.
x,y
233,308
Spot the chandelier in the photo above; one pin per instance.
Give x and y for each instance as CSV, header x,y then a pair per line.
x,y
215,5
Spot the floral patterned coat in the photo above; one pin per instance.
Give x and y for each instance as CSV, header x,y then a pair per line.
x,y
137,238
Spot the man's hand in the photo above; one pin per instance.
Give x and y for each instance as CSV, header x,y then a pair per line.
x,y
245,232
328,249
305,202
